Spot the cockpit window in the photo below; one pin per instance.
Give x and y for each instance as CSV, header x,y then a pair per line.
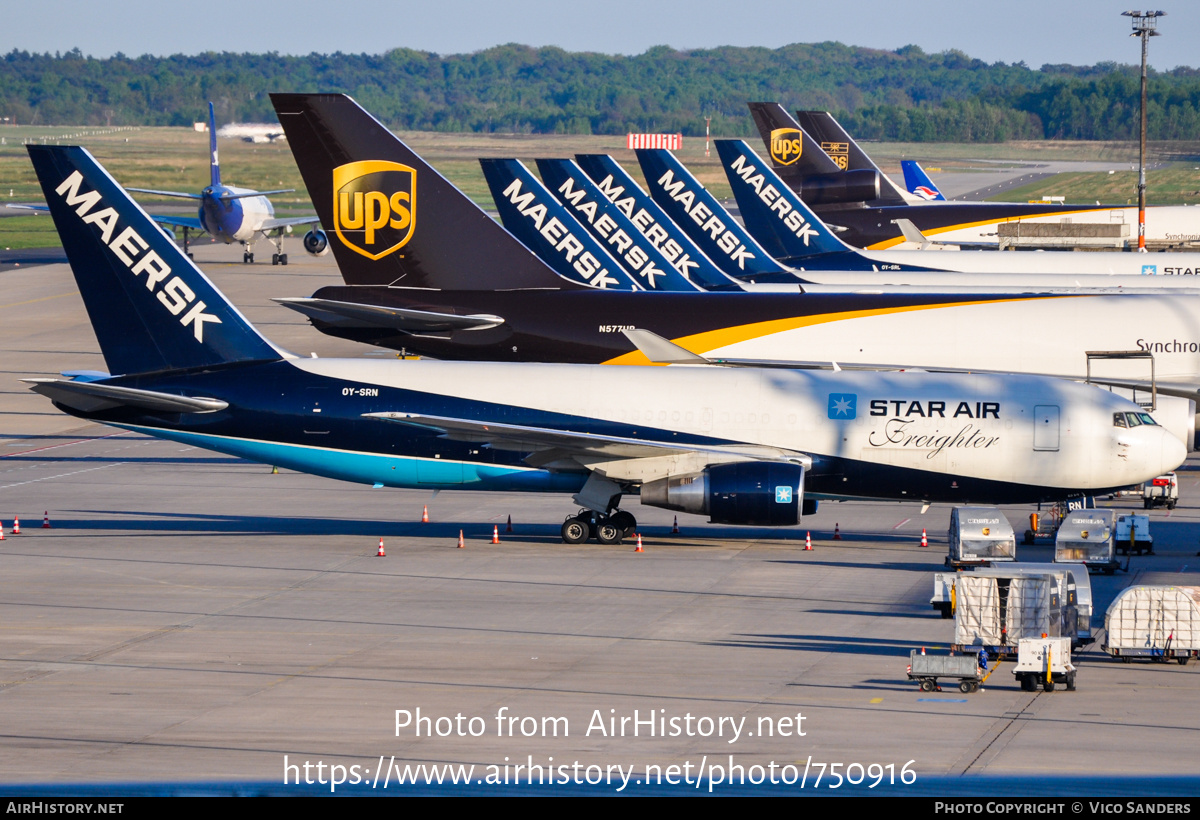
x,y
1133,420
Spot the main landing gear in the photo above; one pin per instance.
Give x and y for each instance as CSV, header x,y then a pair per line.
x,y
279,257
607,529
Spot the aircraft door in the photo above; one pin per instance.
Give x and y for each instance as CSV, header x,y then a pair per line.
x,y
1045,427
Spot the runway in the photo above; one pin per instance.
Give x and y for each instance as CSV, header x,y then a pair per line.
x,y
193,617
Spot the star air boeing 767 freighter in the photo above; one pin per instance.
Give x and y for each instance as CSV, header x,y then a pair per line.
x,y
742,445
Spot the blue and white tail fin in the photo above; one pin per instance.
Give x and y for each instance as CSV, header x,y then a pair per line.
x,y
647,255
772,212
697,212
150,306
918,182
532,214
214,164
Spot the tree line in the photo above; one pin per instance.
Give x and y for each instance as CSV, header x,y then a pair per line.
x,y
904,94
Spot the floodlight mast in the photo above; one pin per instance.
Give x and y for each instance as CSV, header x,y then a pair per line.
x,y
1145,25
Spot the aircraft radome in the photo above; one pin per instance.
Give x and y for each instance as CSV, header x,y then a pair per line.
x,y
742,445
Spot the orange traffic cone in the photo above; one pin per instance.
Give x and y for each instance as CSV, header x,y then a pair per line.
x,y
808,541
508,526
381,553
675,526
495,534
16,526
46,520
425,514
924,538
837,532
638,548
461,545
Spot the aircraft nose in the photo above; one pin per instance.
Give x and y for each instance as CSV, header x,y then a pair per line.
x,y
1174,453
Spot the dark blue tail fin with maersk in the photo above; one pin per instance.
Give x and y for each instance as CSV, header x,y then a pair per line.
x,y
150,306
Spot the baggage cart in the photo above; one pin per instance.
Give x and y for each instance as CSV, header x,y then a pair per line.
x,y
926,669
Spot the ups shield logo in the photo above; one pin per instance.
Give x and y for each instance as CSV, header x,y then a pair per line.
x,y
374,206
786,145
987,530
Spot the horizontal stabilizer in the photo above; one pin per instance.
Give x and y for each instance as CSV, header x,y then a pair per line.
x,y
178,194
89,397
353,314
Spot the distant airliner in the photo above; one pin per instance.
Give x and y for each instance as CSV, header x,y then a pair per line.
x,y
238,214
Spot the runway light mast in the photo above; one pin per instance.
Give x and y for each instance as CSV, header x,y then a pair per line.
x,y
1145,25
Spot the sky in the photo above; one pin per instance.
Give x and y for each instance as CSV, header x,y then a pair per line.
x,y
1079,32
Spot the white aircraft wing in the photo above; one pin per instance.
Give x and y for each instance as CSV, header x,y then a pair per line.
x,y
271,224
627,459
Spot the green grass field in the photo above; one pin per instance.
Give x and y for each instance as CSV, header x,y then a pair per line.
x,y
177,159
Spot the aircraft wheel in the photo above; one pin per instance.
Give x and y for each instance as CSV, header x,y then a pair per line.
x,y
274,259
625,522
574,531
283,258
250,258
609,533
927,685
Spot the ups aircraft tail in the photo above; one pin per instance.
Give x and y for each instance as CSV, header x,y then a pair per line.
x,y
808,170
844,151
390,217
152,309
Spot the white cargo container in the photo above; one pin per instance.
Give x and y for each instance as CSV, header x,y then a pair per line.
x,y
1155,623
1088,537
980,536
994,612
1074,587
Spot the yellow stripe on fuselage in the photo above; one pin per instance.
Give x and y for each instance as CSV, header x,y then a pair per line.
x,y
701,343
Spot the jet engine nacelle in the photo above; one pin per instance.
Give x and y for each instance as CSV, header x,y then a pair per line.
x,y
316,242
762,493
861,185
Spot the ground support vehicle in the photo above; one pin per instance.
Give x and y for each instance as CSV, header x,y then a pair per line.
x,y
1133,535
1044,662
1043,525
1161,492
